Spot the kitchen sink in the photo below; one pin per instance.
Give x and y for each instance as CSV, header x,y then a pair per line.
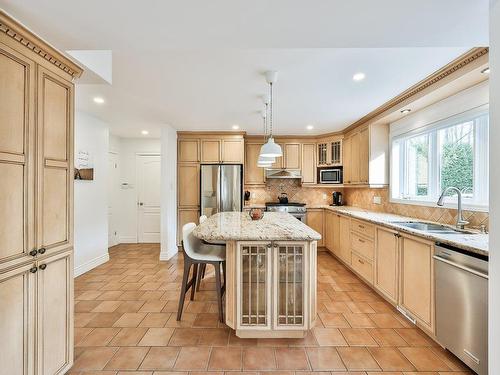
x,y
431,227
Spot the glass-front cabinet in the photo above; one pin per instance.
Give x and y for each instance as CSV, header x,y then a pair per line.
x,y
330,153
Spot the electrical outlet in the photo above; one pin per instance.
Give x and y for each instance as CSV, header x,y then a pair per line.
x,y
253,195
324,196
377,200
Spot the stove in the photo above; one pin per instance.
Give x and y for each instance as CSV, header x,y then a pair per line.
x,y
295,209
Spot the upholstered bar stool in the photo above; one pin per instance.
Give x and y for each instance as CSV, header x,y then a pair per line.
x,y
203,267
198,253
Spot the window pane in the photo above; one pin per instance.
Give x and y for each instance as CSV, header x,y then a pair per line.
x,y
456,148
417,166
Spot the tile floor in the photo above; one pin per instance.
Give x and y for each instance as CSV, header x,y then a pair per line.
x,y
125,324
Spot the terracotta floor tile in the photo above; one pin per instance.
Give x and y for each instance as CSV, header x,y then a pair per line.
x,y
86,306
130,320
382,307
387,337
185,337
103,320
322,359
214,337
386,321
237,341
390,359
414,337
81,333
206,320
82,319
192,358
424,359
358,337
131,295
152,306
93,359
359,320
258,359
155,320
333,320
131,286
112,295
127,359
360,307
329,337
130,306
156,337
88,295
358,359
99,337
160,358
128,337
291,359
225,359
107,306
336,307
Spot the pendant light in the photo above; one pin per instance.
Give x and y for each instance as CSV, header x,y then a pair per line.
x,y
271,149
265,161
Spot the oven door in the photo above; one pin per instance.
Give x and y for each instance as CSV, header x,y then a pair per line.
x,y
330,176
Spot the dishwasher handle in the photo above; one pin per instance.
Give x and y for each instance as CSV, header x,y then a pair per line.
x,y
459,266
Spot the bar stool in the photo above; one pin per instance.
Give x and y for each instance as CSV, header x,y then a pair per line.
x,y
203,267
198,253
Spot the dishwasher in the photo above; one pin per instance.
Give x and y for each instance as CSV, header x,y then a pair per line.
x,y
462,305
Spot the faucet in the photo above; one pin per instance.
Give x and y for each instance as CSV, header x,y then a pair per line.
x,y
461,223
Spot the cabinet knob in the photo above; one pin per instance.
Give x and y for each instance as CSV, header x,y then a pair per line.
x,y
33,252
33,269
43,266
42,250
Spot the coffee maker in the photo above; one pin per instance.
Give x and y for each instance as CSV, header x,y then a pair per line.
x,y
337,199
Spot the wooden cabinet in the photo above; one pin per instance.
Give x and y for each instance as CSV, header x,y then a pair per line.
x,y
233,151
328,230
347,161
308,165
417,280
363,152
188,151
329,152
345,239
279,162
254,175
336,234
188,176
355,158
386,263
292,154
315,221
211,151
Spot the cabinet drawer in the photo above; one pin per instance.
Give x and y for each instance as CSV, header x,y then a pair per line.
x,y
362,245
363,228
362,267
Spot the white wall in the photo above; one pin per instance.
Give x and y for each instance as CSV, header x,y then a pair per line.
x,y
494,245
91,217
168,193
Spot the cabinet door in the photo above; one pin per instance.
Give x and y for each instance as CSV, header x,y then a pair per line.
x,y
386,263
17,322
328,241
233,151
345,239
364,152
254,285
308,163
292,155
185,216
210,151
189,185
188,151
279,163
355,158
17,79
336,234
417,281
315,221
55,161
347,161
322,153
55,314
254,175
289,283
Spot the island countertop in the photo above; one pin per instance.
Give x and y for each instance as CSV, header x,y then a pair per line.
x,y
238,226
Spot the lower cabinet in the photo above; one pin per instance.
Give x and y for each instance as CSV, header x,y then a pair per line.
x,y
417,280
36,312
328,230
386,263
315,220
345,239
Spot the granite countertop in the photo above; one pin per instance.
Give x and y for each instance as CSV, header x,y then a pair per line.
x,y
475,243
238,226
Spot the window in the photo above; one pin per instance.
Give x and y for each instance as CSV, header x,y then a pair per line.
x,y
452,152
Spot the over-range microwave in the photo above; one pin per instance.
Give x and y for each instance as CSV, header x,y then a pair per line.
x,y
330,175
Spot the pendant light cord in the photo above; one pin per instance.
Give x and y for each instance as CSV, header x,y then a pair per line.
x,y
270,110
265,122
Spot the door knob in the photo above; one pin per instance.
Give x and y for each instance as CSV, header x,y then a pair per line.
x,y
43,266
42,250
33,252
141,204
33,269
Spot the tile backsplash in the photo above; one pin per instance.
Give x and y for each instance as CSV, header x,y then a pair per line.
x,y
359,197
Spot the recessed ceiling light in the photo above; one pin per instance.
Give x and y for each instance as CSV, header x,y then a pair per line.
x,y
144,132
358,76
309,127
486,70
235,127
406,110
98,100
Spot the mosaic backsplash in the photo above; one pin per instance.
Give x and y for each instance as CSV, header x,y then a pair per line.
x,y
360,197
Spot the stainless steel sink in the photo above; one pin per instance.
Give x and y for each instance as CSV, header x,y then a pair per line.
x,y
431,227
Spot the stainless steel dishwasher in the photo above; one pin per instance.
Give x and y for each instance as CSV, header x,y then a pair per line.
x,y
462,305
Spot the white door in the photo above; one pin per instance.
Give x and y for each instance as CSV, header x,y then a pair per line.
x,y
148,198
113,190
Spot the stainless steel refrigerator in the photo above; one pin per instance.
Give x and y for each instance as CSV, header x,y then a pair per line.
x,y
221,188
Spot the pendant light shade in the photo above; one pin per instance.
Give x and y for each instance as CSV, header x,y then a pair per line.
x,y
271,149
265,162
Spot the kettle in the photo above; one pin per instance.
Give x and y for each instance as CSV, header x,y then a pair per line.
x,y
283,198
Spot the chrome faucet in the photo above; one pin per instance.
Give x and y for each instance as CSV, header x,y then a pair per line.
x,y
461,223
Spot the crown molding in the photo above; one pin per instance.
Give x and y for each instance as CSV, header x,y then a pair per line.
x,y
19,33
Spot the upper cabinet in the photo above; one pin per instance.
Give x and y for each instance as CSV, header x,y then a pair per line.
x,y
188,151
254,175
211,151
329,152
292,154
366,156
233,151
308,165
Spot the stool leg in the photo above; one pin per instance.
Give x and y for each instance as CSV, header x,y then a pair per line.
x,y
193,280
224,275
187,266
219,290
201,275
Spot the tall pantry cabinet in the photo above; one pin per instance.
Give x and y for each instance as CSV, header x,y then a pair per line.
x,y
36,203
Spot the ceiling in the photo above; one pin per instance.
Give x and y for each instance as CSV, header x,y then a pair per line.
x,y
197,65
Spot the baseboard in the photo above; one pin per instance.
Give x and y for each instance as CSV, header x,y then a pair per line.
x,y
127,239
91,264
167,255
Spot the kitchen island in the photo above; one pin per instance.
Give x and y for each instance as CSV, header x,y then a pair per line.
x,y
270,272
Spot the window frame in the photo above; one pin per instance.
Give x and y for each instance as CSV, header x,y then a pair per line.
x,y
480,167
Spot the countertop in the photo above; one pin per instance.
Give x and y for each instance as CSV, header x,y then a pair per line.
x,y
475,243
238,226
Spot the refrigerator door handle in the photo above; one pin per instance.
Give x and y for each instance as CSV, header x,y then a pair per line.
x,y
219,189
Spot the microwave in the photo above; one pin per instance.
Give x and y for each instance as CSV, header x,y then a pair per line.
x,y
330,175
